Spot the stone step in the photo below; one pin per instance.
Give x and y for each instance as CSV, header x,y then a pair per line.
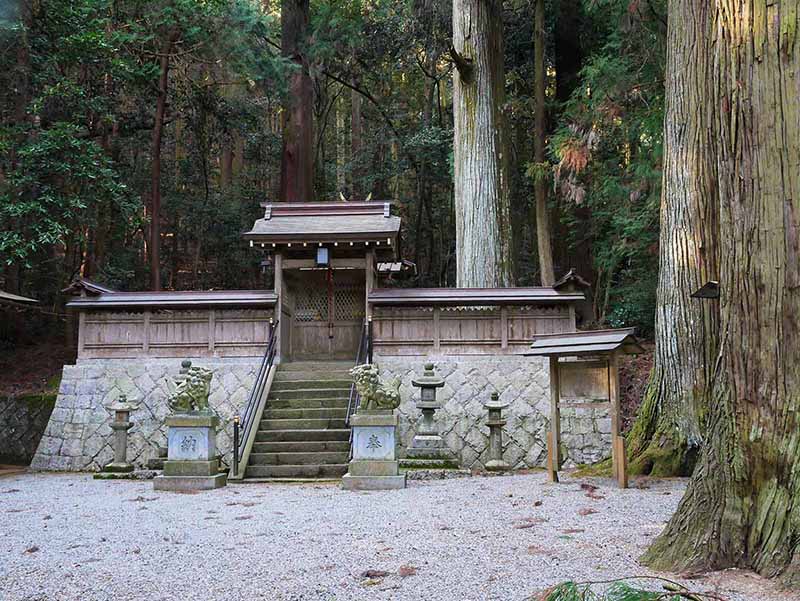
x,y
306,446
302,424
321,374
319,458
305,413
307,404
304,435
296,471
311,384
315,366
310,393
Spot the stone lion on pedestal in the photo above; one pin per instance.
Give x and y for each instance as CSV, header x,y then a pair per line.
x,y
374,393
189,392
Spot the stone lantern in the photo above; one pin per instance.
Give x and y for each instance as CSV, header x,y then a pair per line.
x,y
428,449
121,409
495,422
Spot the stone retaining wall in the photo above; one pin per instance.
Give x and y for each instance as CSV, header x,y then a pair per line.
x,y
524,381
78,435
23,419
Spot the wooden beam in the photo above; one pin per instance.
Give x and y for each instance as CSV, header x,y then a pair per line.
x,y
212,329
146,332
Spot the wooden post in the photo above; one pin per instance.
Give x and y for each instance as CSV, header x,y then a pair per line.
x,y
504,327
81,332
618,461
622,459
369,274
437,340
146,333
212,327
279,305
554,437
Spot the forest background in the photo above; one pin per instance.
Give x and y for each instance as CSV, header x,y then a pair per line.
x,y
83,97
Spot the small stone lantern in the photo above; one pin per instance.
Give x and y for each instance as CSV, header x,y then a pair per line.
x,y
496,423
428,449
121,423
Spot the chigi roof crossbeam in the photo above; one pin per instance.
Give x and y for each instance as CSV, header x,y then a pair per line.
x,y
304,224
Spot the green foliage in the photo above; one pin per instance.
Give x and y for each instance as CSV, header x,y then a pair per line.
x,y
54,190
607,151
617,591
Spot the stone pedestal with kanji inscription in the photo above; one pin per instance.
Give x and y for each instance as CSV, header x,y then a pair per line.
x,y
374,465
192,461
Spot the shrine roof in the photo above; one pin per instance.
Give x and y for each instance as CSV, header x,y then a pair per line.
x,y
323,222
172,300
470,296
592,342
15,299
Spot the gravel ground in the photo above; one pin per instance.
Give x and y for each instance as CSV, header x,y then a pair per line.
x,y
68,537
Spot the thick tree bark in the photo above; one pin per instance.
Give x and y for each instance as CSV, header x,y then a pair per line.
x,y
543,243
155,165
483,231
667,434
742,506
297,158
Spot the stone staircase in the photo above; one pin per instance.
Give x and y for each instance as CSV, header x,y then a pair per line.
x,y
302,433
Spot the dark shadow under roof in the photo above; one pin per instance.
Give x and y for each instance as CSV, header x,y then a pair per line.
x,y
469,296
325,222
173,300
593,342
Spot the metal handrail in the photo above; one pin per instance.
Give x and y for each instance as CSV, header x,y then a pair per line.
x,y
364,355
247,417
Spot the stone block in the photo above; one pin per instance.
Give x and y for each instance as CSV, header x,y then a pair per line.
x,y
373,482
189,483
373,468
191,468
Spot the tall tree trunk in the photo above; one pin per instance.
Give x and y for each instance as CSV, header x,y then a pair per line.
x,y
667,434
545,247
341,146
483,231
297,158
155,165
356,134
742,506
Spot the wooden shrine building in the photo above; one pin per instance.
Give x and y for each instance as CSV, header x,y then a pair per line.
x,y
281,356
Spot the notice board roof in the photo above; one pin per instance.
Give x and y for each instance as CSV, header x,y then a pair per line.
x,y
592,342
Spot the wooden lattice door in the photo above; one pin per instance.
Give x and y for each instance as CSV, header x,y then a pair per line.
x,y
328,314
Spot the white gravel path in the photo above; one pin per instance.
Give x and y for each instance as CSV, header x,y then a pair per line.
x,y
68,537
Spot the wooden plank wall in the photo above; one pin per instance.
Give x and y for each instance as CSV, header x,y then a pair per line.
x,y
465,330
174,333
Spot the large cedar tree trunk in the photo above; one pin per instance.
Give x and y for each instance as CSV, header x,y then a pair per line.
x,y
155,165
483,230
297,158
666,437
742,506
546,271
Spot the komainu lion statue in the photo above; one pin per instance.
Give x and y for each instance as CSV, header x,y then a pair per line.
x,y
374,393
189,392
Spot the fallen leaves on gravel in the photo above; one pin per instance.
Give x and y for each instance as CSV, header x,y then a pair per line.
x,y
10,490
374,574
587,511
141,499
243,517
406,571
529,523
573,530
32,549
